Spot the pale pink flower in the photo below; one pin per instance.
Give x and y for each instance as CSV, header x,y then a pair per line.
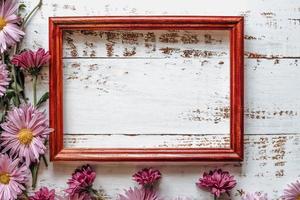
x,y
10,31
75,197
30,61
81,181
4,79
139,194
43,194
147,176
12,177
255,196
24,133
292,192
217,182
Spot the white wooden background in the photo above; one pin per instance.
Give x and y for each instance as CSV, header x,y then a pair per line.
x,y
272,98
146,88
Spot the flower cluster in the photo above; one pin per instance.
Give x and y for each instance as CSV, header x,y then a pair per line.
x,y
43,194
13,177
24,133
10,31
24,128
146,178
30,61
217,182
81,182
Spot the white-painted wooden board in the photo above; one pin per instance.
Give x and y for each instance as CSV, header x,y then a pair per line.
x,y
145,83
272,100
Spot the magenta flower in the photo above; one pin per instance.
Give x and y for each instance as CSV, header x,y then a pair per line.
x,y
139,194
81,182
24,133
292,192
10,32
217,182
12,177
255,196
4,79
31,61
43,194
147,176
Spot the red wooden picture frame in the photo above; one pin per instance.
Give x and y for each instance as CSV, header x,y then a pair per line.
x,y
235,24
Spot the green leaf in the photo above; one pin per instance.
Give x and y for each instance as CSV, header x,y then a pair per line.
x,y
42,100
19,88
10,93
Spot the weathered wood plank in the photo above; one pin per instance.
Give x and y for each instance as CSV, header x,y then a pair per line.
x,y
146,141
146,44
270,31
142,96
271,106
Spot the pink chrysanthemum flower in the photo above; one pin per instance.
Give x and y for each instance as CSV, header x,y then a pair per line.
x,y
255,196
217,182
43,194
292,192
24,133
12,177
10,32
4,79
147,177
81,182
139,194
30,61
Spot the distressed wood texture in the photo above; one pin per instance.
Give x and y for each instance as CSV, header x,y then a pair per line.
x,y
272,100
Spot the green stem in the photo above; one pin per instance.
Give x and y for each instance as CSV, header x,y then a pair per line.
x,y
36,166
35,172
31,13
14,80
15,85
3,58
215,197
34,89
96,193
25,195
45,160
22,86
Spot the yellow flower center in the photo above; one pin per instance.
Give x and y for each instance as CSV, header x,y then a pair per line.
x,y
298,197
4,178
2,23
25,136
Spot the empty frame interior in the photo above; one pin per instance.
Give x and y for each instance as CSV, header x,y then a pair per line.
x,y
145,89
146,94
